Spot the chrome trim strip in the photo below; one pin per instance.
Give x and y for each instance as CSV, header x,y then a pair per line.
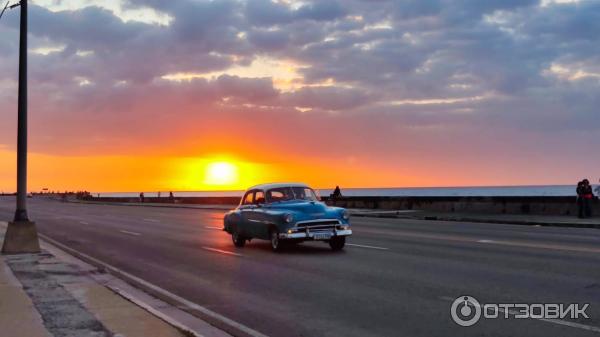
x,y
318,220
310,235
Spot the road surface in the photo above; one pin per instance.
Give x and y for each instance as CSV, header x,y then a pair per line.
x,y
395,278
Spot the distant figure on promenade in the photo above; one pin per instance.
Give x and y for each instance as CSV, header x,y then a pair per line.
x,y
580,199
158,194
171,197
337,193
584,199
142,197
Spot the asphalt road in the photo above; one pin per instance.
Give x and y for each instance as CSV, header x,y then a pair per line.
x,y
397,278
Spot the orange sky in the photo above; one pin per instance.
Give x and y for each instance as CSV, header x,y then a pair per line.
x,y
147,173
221,95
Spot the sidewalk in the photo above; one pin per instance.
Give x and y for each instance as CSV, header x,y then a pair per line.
x,y
52,294
515,219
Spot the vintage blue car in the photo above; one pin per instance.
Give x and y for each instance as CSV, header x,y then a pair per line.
x,y
286,213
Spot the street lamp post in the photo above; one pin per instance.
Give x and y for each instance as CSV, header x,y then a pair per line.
x,y
21,234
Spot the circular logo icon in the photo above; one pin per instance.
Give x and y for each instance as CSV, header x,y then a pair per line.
x,y
465,311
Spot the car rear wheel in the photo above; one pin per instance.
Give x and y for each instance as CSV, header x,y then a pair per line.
x,y
238,239
276,244
337,243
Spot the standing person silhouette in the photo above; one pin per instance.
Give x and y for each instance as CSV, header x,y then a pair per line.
x,y
588,196
337,193
580,199
142,197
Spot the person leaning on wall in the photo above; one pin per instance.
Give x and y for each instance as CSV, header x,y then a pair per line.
x,y
588,196
580,199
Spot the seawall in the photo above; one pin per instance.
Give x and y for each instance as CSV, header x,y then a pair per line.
x,y
483,205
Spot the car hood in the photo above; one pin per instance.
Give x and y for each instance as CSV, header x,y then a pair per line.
x,y
308,209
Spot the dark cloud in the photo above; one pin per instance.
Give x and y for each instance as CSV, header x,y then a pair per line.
x,y
375,67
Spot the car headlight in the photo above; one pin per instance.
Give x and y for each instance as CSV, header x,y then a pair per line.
x,y
345,215
343,227
288,218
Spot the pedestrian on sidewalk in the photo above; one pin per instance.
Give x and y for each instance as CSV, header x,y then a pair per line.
x,y
171,197
580,199
142,197
588,196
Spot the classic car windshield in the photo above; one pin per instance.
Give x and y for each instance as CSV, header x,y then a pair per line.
x,y
291,193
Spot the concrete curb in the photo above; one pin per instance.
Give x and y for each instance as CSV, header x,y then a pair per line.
x,y
224,208
215,319
520,222
480,220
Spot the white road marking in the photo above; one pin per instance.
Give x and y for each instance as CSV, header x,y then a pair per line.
x,y
485,241
548,320
213,227
221,251
151,220
84,223
365,246
130,233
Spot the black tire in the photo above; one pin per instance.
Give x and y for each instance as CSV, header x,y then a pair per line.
x,y
276,243
238,239
337,243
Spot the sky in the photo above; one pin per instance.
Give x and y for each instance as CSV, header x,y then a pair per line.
x,y
145,95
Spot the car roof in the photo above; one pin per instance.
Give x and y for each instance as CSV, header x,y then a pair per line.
x,y
276,185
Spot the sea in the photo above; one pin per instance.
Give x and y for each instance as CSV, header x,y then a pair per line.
x,y
483,191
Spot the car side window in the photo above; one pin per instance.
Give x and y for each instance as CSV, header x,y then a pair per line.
x,y
248,198
259,197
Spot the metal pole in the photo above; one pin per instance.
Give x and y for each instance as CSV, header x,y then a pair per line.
x,y
21,212
21,234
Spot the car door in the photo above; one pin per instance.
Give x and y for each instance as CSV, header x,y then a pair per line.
x,y
247,210
259,222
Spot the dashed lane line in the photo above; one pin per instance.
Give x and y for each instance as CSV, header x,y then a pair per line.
x,y
213,227
365,246
130,233
220,251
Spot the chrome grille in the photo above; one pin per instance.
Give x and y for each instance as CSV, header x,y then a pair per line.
x,y
316,225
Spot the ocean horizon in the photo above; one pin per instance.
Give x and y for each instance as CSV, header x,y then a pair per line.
x,y
469,191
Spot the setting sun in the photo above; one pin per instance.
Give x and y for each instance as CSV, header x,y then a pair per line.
x,y
221,173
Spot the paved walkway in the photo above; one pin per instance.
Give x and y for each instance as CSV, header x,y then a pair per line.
x,y
42,295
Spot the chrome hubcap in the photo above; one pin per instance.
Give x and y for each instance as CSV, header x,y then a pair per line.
x,y
274,240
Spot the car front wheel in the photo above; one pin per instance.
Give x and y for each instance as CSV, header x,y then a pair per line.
x,y
276,244
337,243
238,239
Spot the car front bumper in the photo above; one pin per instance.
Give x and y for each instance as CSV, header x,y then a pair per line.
x,y
308,235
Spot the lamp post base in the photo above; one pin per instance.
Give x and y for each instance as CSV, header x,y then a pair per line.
x,y
21,238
